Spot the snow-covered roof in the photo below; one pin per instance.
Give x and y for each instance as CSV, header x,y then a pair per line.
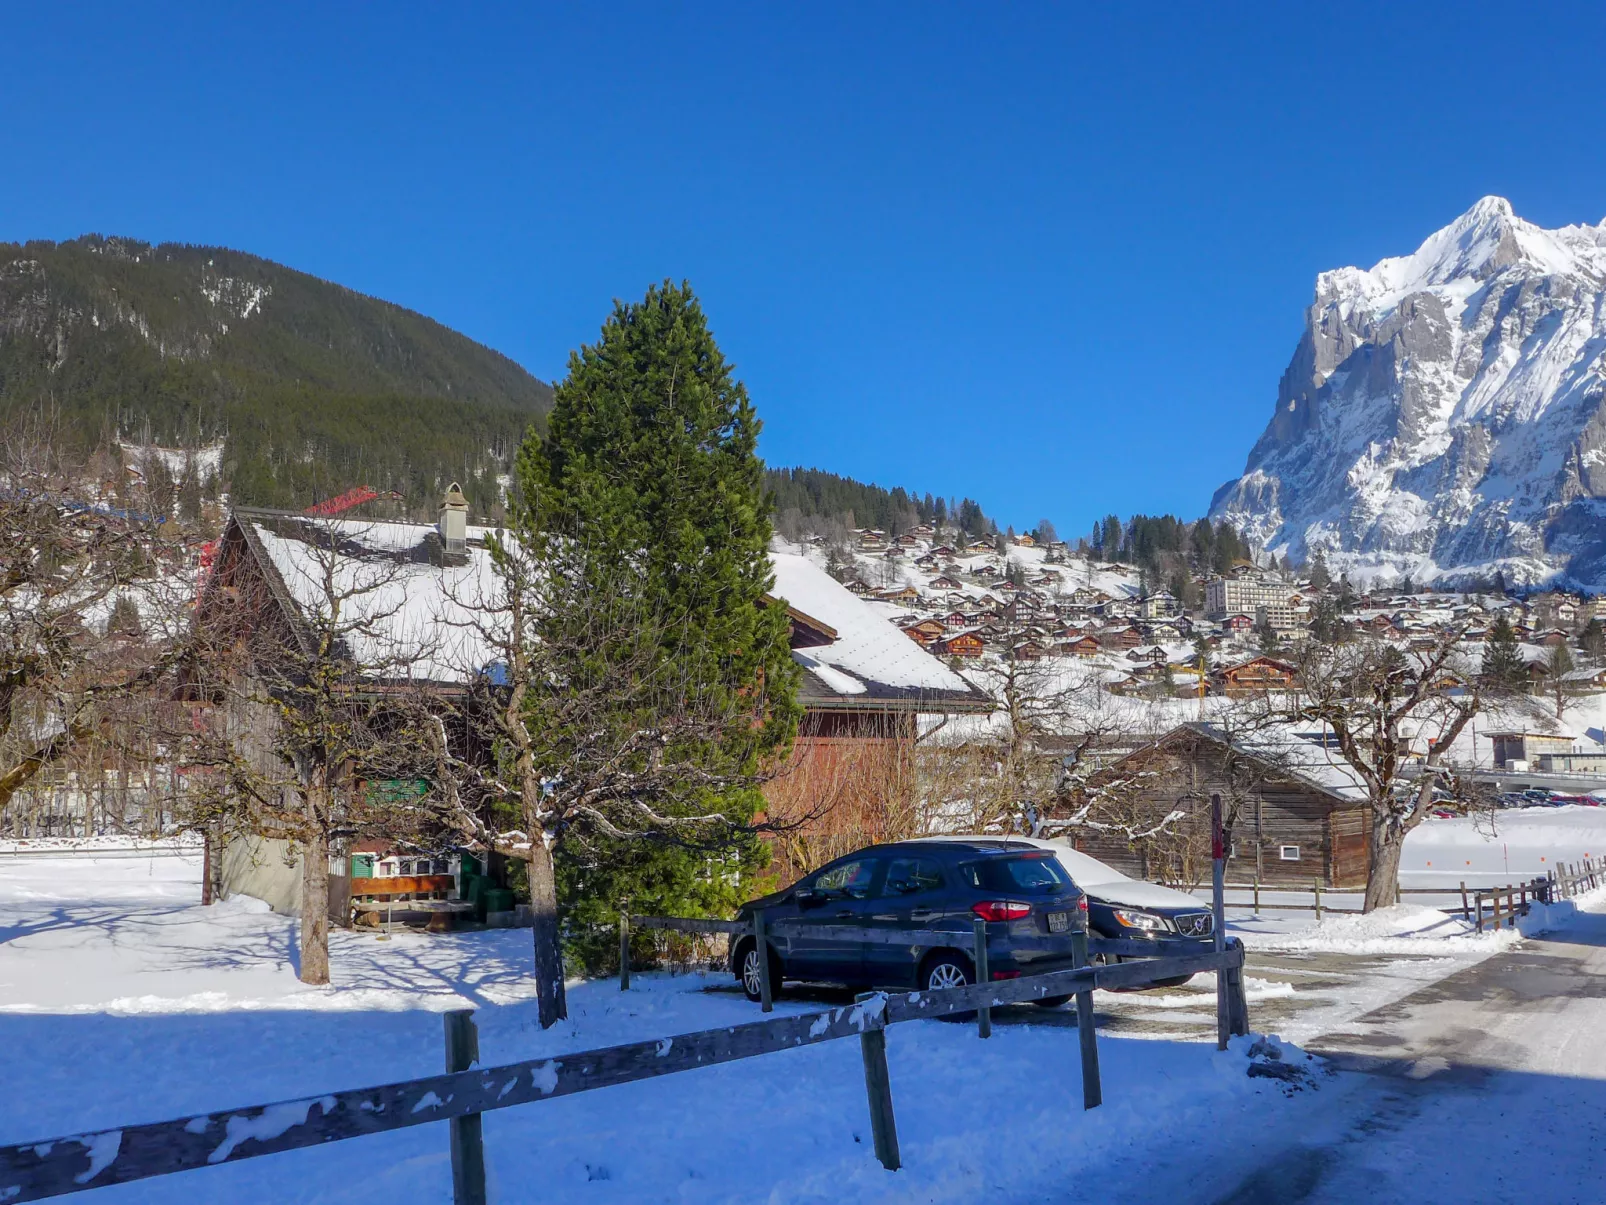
x,y
870,657
422,617
1298,750
402,615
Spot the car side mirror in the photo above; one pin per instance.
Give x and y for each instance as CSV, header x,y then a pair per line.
x,y
807,897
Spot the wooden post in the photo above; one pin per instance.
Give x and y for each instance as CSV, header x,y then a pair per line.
x,y
467,1139
984,1015
624,944
878,1087
1318,883
1092,1089
1239,1000
1257,893
761,943
1218,878
1466,911
206,867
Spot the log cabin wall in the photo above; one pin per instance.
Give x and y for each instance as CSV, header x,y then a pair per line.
x,y
1299,832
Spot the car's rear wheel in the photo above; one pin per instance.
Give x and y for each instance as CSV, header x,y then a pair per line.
x,y
747,972
943,970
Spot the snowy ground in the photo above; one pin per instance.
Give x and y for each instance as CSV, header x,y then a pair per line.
x,y
122,1000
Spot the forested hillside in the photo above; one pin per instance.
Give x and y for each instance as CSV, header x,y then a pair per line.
x,y
313,387
811,497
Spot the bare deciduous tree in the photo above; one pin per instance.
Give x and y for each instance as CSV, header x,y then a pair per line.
x,y
309,711
93,599
1394,715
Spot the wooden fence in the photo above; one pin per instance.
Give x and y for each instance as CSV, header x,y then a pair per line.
x,y
33,1171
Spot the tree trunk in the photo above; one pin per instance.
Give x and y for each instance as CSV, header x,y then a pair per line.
x,y
315,893
553,1007
1383,876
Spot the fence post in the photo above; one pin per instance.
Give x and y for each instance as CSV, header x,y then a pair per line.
x,y
467,1139
761,943
624,944
1318,883
1218,879
1092,1089
1257,893
984,976
1238,998
878,1087
1466,912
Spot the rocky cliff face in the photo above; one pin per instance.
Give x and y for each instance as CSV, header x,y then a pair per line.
x,y
1444,415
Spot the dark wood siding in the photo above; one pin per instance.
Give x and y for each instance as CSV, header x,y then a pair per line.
x,y
1268,813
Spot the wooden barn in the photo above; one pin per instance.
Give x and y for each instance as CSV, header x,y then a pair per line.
x,y
1297,813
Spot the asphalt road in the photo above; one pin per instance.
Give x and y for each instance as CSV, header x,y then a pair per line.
x,y
1485,1086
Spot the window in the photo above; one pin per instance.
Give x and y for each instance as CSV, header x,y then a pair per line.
x,y
1288,853
851,879
908,876
1028,874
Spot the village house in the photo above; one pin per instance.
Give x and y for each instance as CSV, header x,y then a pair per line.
x,y
926,631
1254,676
1079,646
961,644
1296,813
864,685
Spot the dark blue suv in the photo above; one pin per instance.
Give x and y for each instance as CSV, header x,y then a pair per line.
x,y
1028,901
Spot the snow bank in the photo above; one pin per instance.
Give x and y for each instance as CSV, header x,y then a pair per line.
x,y
1405,929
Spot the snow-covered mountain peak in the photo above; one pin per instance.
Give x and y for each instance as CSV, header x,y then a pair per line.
x,y
1457,259
1445,411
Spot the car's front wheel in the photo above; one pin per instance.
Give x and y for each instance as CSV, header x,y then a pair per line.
x,y
747,972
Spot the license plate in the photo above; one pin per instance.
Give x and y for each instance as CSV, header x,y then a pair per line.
x,y
1058,922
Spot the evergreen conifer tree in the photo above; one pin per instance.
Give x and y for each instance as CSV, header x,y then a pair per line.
x,y
647,492
1320,578
1503,667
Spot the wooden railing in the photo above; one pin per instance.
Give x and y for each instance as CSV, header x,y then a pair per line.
x,y
1571,879
50,1167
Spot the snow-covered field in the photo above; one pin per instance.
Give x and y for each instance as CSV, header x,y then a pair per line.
x,y
1510,846
122,1000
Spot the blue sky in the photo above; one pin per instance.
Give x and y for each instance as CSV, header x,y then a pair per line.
x,y
1053,257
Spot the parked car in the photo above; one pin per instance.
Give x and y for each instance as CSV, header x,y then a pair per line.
x,y
1030,904
1124,907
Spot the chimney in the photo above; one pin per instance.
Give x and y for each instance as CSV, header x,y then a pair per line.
x,y
453,524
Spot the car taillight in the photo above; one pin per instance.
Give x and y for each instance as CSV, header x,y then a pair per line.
x,y
1001,909
1006,974
1081,904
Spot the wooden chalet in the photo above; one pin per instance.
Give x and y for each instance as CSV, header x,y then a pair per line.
x,y
1079,646
961,644
1297,814
927,631
1254,676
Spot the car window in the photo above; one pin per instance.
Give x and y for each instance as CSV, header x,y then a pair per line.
x,y
906,876
1025,874
851,879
